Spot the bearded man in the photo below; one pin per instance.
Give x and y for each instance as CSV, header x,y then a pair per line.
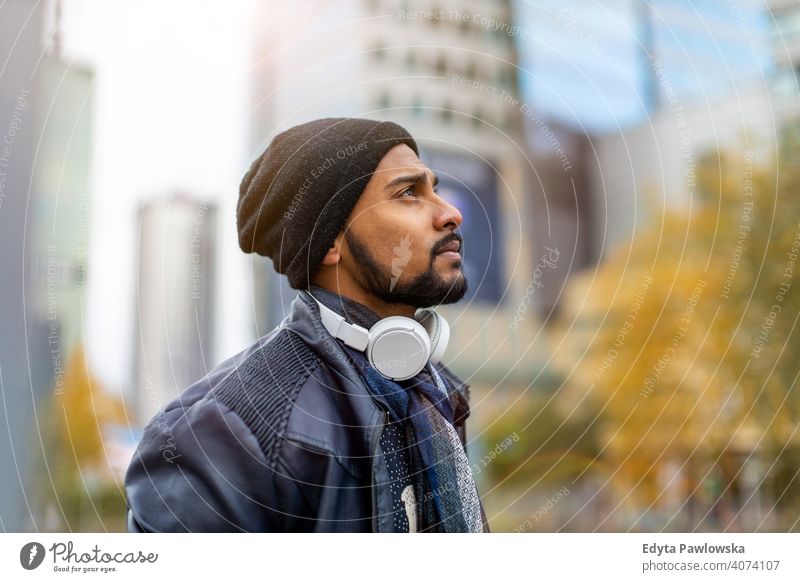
x,y
343,418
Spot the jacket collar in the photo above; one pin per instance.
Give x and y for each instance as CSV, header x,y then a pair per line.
x,y
304,320
355,312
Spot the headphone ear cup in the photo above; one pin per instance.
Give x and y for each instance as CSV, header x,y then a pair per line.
x,y
399,347
438,330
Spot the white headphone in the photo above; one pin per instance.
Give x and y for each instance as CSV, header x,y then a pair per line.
x,y
397,347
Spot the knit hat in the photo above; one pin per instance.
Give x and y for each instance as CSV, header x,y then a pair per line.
x,y
296,197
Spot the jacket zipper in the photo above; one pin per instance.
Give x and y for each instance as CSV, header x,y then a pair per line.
x,y
375,439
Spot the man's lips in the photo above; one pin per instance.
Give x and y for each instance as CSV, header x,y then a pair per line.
x,y
450,250
452,246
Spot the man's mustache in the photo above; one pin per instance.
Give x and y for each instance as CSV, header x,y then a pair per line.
x,y
446,241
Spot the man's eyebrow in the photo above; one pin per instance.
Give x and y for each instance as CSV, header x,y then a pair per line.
x,y
411,179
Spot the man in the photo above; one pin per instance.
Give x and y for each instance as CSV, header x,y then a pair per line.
x,y
310,429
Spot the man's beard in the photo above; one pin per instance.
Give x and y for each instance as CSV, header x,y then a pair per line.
x,y
425,290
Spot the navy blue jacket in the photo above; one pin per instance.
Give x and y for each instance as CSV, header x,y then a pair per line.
x,y
282,437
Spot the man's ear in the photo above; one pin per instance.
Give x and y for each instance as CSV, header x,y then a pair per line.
x,y
334,255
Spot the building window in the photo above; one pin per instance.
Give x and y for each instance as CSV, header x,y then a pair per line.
x,y
505,76
477,117
441,65
447,112
508,121
435,21
471,71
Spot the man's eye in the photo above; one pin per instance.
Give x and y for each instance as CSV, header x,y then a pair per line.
x,y
407,190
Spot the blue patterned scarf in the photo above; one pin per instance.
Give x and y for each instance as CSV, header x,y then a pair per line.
x,y
443,482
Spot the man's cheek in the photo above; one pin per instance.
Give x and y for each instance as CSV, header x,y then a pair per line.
x,y
419,259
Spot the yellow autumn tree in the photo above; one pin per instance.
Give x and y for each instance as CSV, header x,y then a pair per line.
x,y
696,402
82,492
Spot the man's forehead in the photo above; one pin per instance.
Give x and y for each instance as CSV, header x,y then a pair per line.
x,y
400,158
400,166
411,170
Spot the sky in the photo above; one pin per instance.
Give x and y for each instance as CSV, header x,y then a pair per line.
x,y
171,101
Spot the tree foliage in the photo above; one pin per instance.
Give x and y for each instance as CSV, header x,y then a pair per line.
x,y
688,339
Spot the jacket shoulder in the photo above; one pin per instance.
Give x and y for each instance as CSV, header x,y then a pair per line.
x,y
263,388
209,460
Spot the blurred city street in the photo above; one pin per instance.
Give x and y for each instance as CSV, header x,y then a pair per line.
x,y
627,174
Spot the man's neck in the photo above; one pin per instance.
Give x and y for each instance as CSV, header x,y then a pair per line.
x,y
352,311
374,304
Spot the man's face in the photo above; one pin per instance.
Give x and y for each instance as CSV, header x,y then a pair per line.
x,y
400,242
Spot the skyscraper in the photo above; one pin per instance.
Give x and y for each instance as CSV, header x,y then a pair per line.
x,y
175,299
601,66
20,45
784,45
45,153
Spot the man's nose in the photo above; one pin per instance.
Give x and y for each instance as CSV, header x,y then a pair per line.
x,y
447,215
